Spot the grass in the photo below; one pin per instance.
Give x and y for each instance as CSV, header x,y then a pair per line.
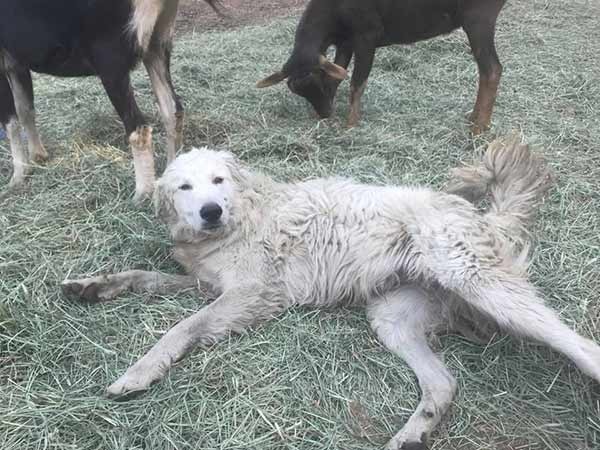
x,y
312,379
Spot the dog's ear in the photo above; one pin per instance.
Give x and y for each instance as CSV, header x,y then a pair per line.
x,y
238,173
163,201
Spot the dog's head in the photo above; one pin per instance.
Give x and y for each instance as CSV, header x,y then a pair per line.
x,y
195,194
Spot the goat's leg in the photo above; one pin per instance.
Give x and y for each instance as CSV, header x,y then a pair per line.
x,y
232,312
157,62
108,287
21,86
479,24
401,320
10,123
118,87
364,54
343,56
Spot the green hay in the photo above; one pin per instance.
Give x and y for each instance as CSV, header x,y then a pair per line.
x,y
311,380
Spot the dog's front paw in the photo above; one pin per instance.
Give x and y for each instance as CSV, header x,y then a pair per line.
x,y
131,383
400,442
395,445
90,289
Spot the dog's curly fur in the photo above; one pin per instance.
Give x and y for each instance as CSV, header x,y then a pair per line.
x,y
418,260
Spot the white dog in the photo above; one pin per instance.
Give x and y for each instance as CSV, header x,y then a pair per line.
x,y
417,259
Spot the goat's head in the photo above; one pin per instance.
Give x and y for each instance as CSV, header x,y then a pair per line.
x,y
316,82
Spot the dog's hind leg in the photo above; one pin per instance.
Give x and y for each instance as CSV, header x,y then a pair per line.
x,y
516,307
402,320
107,287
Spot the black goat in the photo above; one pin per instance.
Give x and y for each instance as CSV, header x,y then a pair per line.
x,y
358,27
72,38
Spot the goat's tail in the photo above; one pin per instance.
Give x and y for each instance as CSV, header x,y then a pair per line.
x,y
516,180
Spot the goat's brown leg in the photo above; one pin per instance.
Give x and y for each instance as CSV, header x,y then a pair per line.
x,y
343,55
157,60
479,24
364,50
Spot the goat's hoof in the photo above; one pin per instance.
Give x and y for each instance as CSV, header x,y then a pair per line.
x,y
40,159
40,156
142,196
352,123
478,125
477,129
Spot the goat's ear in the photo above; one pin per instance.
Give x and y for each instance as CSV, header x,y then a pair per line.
x,y
332,69
271,80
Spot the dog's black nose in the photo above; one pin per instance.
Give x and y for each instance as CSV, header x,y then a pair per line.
x,y
211,212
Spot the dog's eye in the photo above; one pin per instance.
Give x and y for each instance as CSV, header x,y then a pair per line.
x,y
217,180
185,187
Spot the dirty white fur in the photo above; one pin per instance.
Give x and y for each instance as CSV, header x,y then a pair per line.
x,y
418,261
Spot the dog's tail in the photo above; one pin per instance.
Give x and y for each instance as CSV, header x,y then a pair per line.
x,y
515,179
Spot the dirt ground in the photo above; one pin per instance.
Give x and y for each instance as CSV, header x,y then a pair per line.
x,y
198,16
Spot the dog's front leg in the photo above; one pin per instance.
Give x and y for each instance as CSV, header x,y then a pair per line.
x,y
107,287
232,312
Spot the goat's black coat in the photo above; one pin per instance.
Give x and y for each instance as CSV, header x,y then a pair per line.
x,y
61,37
73,38
358,27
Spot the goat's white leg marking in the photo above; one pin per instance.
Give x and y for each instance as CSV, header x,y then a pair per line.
x,y
26,114
143,162
19,153
401,320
